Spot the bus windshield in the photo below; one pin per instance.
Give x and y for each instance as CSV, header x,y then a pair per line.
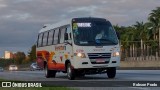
x,y
94,33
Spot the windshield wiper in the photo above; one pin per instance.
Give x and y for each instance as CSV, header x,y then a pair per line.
x,y
91,41
107,41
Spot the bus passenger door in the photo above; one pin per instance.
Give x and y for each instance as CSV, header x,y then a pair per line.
x,y
64,48
68,44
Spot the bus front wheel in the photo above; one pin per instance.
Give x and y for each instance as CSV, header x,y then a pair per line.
x,y
70,72
49,73
111,72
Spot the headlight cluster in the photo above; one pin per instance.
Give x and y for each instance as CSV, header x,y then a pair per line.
x,y
82,55
115,54
13,68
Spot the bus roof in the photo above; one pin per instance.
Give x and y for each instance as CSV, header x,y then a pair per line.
x,y
55,25
66,22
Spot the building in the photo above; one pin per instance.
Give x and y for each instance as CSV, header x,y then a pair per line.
x,y
8,55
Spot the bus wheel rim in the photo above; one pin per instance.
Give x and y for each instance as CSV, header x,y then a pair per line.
x,y
69,72
46,71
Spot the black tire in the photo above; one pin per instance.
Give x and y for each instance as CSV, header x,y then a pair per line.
x,y
80,74
111,72
32,69
70,72
49,73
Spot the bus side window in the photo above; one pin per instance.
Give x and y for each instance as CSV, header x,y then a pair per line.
x,y
50,37
56,35
45,36
40,39
68,32
37,41
62,35
66,36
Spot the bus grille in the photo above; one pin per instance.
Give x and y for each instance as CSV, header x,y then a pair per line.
x,y
94,57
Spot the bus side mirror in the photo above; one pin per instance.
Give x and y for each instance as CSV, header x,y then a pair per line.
x,y
66,39
118,35
66,42
66,36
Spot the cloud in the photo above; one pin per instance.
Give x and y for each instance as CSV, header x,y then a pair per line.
x,y
86,8
17,16
22,1
2,4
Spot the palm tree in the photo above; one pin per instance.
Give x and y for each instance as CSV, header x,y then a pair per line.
x,y
154,18
139,31
140,36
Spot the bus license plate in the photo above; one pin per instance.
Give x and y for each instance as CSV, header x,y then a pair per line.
x,y
100,60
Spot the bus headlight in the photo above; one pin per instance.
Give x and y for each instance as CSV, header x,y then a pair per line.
x,y
16,68
82,55
115,54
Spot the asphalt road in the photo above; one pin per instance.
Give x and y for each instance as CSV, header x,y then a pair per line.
x,y
98,80
122,75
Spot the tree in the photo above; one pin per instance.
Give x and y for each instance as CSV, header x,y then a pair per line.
x,y
154,18
148,32
32,53
139,31
19,57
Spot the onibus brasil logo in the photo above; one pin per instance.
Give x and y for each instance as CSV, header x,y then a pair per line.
x,y
20,84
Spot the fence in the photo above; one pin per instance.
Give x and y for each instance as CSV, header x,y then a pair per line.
x,y
138,50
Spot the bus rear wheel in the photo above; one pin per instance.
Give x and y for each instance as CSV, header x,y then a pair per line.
x,y
111,72
70,72
49,73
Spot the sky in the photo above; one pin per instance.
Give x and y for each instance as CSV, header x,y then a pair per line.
x,y
20,20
